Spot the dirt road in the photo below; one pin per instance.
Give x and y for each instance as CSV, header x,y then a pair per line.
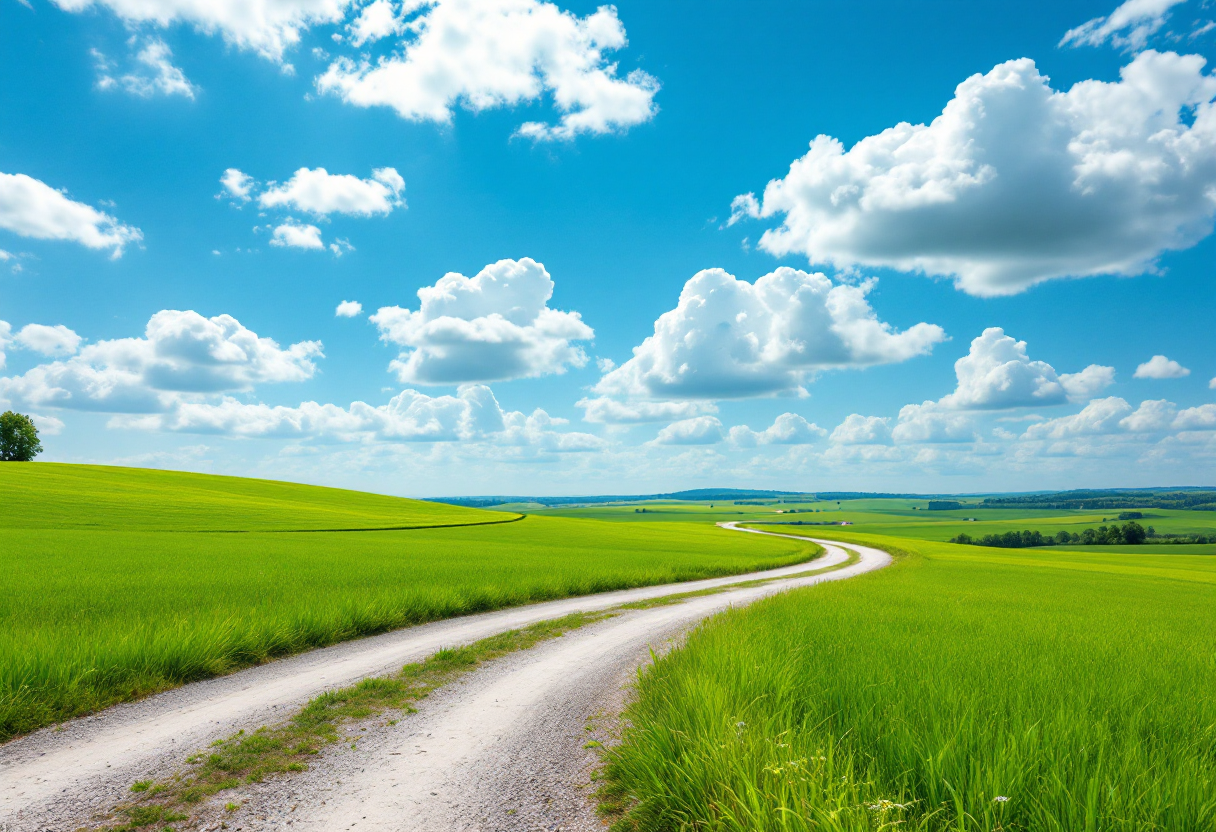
x,y
501,750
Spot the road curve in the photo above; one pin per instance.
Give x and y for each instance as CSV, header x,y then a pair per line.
x,y
511,736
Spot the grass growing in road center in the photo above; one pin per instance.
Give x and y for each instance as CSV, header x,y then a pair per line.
x,y
961,689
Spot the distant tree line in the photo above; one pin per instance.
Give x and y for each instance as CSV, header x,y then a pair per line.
x,y
944,505
1196,499
1129,534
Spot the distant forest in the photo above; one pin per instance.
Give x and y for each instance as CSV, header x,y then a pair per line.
x,y
1198,499
1129,534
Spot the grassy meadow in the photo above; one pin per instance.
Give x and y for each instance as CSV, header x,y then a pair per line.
x,y
117,583
964,688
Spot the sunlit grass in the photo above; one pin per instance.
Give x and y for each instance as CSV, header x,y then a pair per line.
x,y
961,689
93,617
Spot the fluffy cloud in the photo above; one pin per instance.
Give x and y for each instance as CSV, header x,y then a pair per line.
x,y
786,429
1111,416
348,309
1150,417
1161,367
862,430
320,193
930,423
494,326
1196,418
997,374
727,338
181,353
292,234
239,185
1014,183
472,415
700,430
1128,27
34,209
481,54
377,20
6,331
607,411
1098,417
267,27
155,73
55,341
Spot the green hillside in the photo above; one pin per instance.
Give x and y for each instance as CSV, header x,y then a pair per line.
x,y
114,583
49,495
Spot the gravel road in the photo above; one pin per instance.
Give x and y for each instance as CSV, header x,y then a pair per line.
x,y
503,749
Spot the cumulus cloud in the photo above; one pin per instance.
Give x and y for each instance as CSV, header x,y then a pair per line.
x,y
348,309
377,20
997,374
1159,367
6,332
1113,415
1083,386
239,185
1128,27
1150,417
181,353
292,234
727,338
930,423
472,415
862,430
1202,417
786,429
699,430
154,73
607,411
54,341
267,27
321,193
32,208
1014,183
494,326
1098,417
481,54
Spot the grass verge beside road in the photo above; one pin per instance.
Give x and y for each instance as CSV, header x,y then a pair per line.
x,y
961,689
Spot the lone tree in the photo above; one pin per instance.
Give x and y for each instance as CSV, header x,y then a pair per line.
x,y
18,438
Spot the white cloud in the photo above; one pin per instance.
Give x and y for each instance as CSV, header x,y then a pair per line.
x,y
55,341
862,430
348,309
494,326
727,338
321,193
1101,416
472,415
376,21
700,430
1083,386
268,27
607,411
1129,26
1015,183
34,209
1160,367
155,74
1202,417
1150,417
47,425
786,429
6,331
930,423
1212,384
238,185
997,374
292,234
181,354
481,54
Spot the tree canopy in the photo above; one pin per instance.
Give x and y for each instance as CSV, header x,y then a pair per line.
x,y
18,438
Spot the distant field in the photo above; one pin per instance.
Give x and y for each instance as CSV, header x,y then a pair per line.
x,y
963,688
102,600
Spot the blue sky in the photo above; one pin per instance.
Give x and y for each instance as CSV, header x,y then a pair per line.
x,y
186,197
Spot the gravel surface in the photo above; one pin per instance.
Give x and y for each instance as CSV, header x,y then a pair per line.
x,y
501,750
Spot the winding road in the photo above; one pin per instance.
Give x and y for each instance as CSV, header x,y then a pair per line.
x,y
502,749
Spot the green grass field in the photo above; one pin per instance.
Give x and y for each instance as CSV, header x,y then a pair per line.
x,y
120,582
964,688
